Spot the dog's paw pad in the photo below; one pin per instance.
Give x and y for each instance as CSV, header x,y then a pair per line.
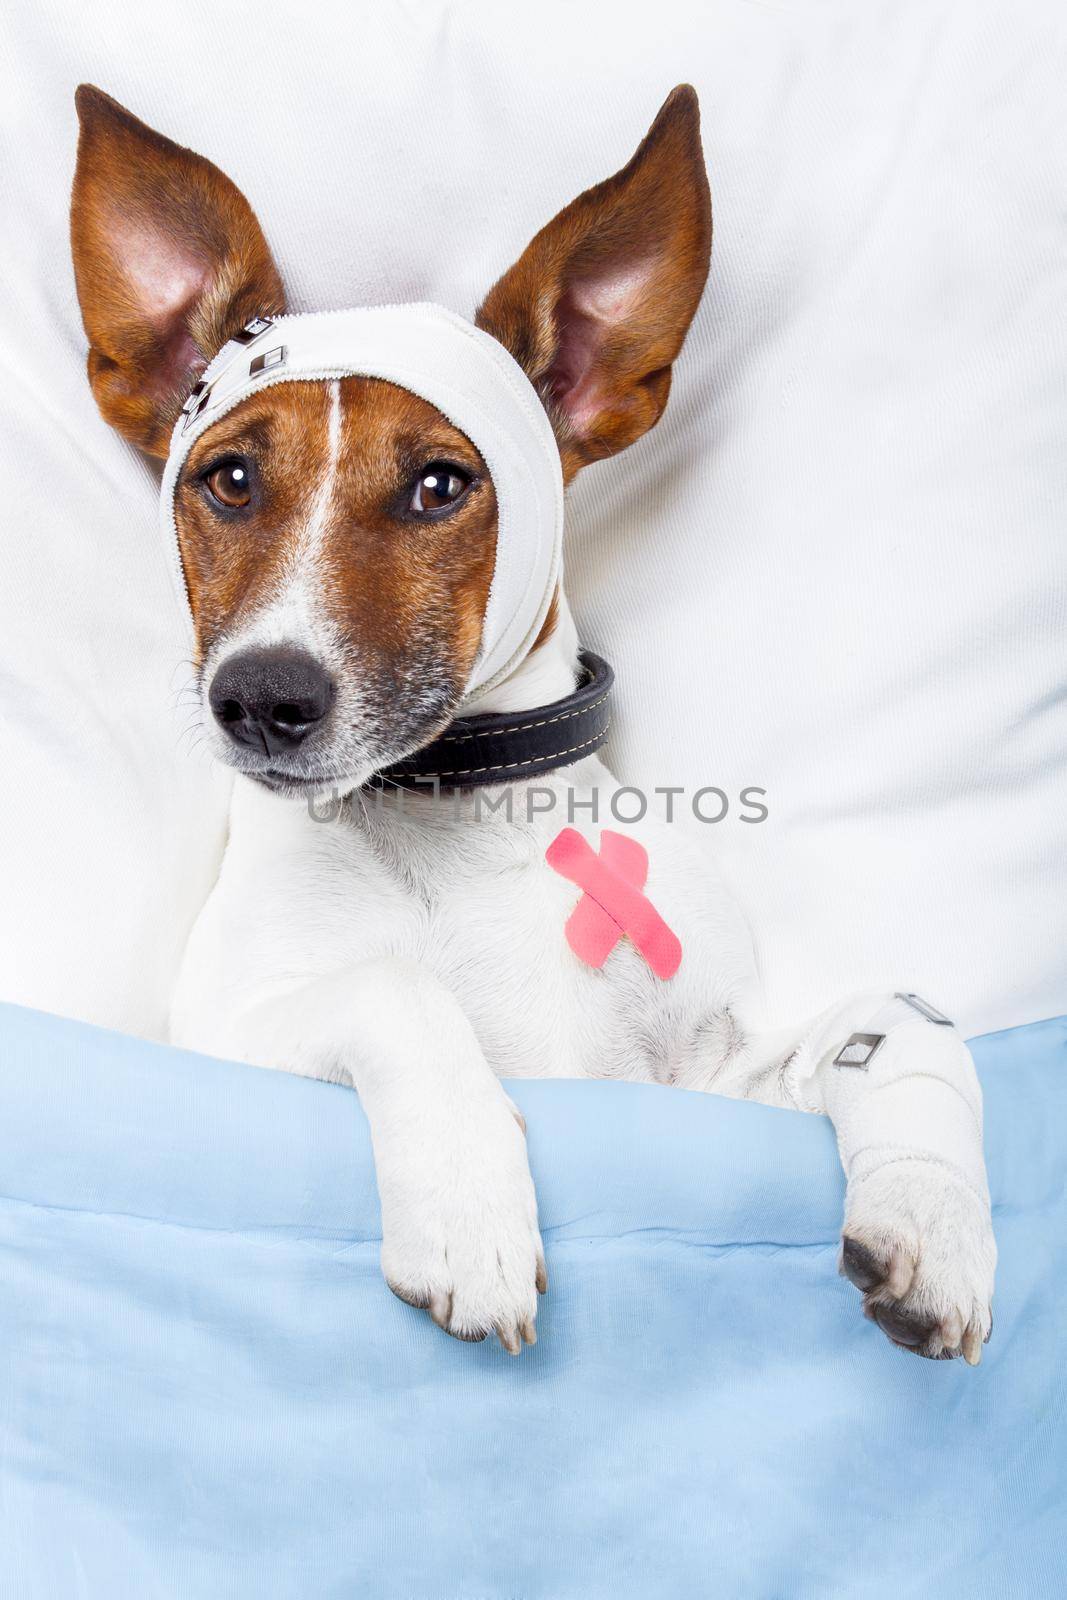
x,y
907,1329
892,1267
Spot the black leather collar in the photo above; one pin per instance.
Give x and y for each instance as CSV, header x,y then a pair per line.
x,y
511,746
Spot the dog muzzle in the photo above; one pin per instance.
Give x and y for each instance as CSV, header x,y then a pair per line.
x,y
472,380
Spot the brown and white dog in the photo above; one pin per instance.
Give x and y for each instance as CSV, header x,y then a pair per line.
x,y
339,536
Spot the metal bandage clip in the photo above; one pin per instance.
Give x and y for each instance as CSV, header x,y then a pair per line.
x,y
858,1050
200,393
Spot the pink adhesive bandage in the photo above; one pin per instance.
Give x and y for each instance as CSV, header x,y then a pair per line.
x,y
612,906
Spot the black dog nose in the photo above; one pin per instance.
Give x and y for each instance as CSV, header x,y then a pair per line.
x,y
270,699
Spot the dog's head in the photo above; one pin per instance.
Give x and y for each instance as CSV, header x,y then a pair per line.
x,y
338,537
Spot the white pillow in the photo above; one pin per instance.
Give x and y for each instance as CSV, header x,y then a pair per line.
x,y
835,571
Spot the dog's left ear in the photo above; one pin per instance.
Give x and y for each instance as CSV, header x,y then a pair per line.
x,y
596,308
169,262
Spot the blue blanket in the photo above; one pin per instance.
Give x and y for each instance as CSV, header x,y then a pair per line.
x,y
207,1392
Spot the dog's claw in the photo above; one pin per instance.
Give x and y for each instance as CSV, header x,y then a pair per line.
x,y
901,1273
440,1308
952,1332
528,1331
541,1280
509,1338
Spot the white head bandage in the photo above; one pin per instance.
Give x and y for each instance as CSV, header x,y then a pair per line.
x,y
469,377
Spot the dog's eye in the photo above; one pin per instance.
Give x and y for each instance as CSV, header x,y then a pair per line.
x,y
438,487
230,484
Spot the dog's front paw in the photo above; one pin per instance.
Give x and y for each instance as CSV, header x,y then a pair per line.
x,y
918,1243
459,1229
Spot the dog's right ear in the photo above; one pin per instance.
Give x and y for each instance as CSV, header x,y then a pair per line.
x,y
169,262
597,306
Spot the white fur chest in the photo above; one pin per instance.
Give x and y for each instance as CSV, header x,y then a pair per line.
x,y
467,893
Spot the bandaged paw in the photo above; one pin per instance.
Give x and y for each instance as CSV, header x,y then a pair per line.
x,y
916,1096
906,1104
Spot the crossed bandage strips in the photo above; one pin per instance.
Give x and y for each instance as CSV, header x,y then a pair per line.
x,y
613,905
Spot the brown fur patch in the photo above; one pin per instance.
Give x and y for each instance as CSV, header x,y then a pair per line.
x,y
548,627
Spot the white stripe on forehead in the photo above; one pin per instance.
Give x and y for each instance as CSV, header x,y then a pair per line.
x,y
307,546
473,381
292,610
